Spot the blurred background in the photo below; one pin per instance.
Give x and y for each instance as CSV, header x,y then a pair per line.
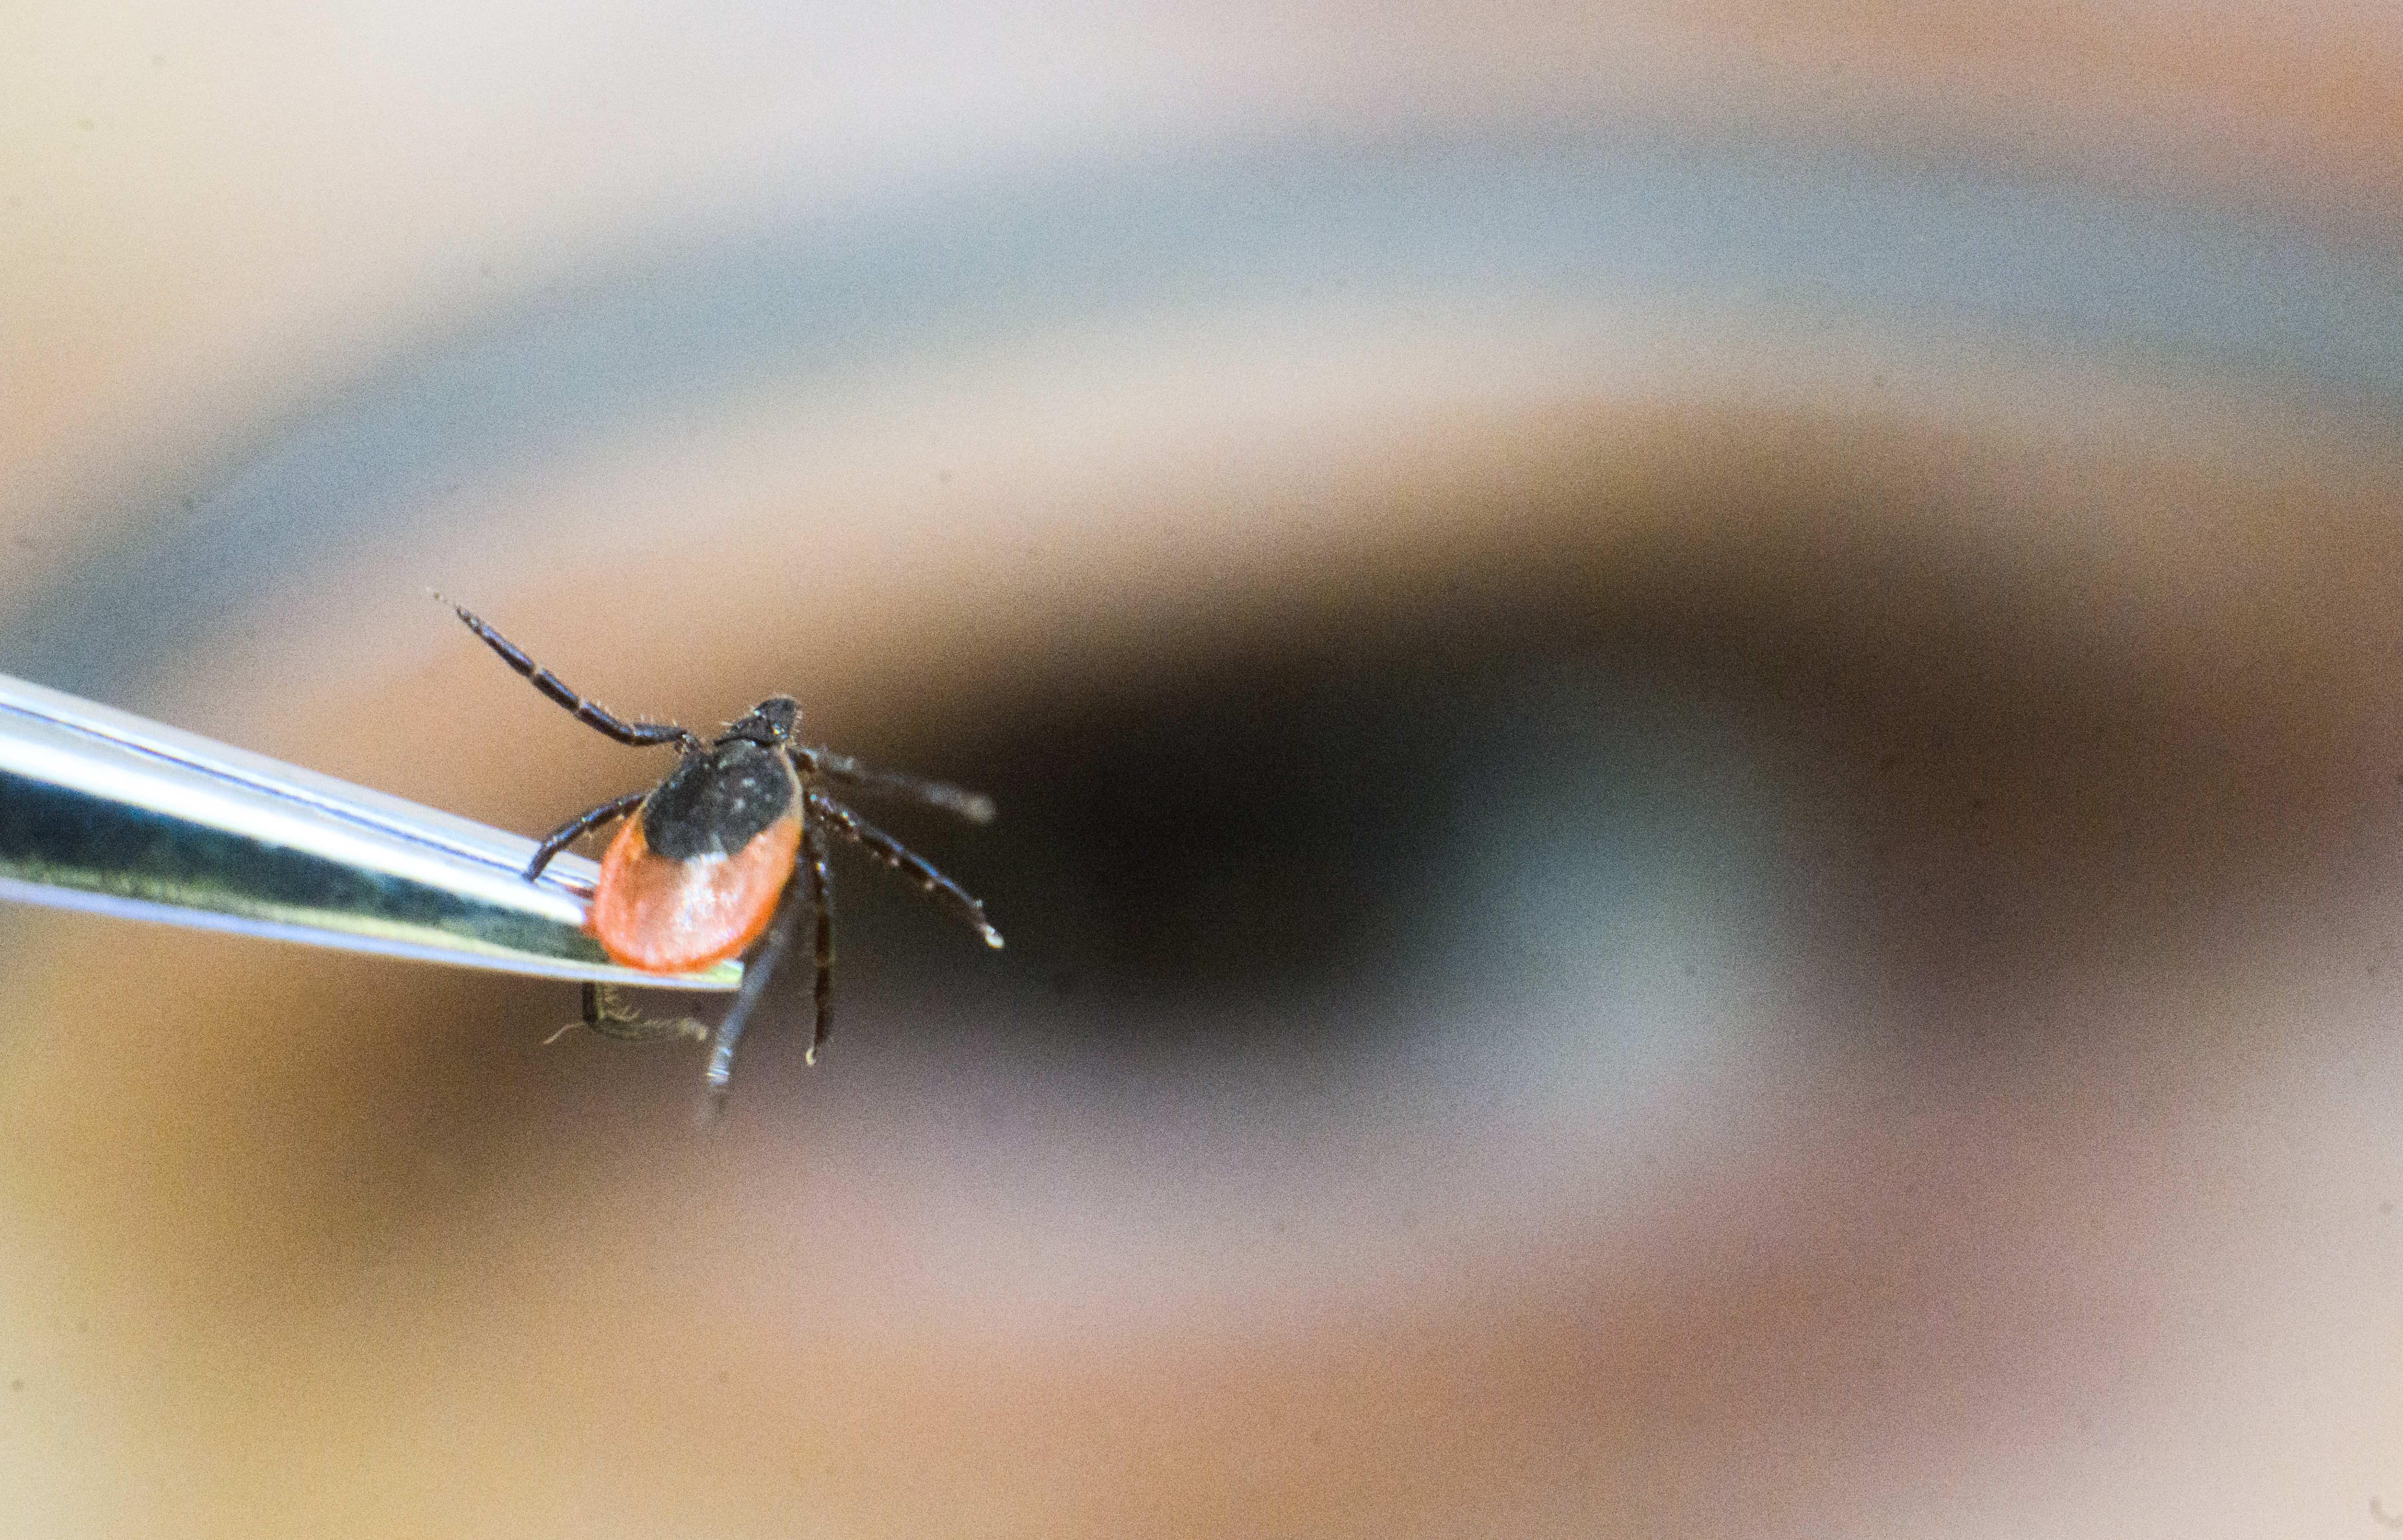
x,y
1698,714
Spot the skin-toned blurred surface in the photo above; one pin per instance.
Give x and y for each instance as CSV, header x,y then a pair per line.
x,y
1695,719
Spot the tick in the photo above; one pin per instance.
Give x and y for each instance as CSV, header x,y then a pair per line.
x,y
728,853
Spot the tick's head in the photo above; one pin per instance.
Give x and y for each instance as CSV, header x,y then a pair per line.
x,y
769,723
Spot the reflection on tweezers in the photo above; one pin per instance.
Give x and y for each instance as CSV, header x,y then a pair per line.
x,y
103,810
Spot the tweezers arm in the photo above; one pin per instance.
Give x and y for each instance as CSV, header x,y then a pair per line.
x,y
100,810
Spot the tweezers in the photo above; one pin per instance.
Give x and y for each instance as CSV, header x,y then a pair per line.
x,y
105,812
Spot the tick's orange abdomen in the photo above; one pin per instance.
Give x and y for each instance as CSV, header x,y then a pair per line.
x,y
666,916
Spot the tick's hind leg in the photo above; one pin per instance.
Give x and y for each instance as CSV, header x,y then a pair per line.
x,y
591,714
909,864
819,882
607,1012
756,969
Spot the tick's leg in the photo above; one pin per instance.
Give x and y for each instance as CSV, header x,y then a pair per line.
x,y
820,884
755,971
850,774
606,1011
640,734
575,829
894,854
